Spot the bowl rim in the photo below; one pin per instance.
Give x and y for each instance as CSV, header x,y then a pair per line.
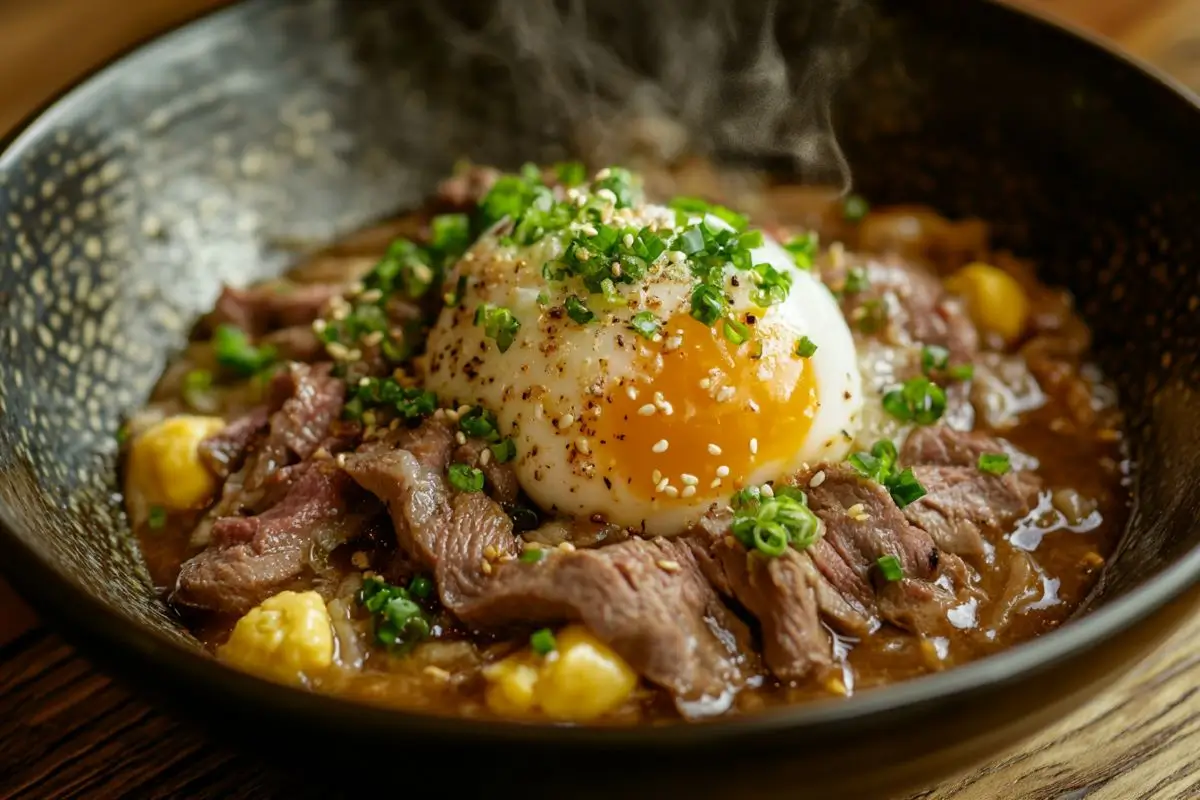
x,y
105,634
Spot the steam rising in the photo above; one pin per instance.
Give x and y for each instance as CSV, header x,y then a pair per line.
x,y
656,80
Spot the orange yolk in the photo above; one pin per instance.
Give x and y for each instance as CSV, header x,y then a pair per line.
x,y
703,413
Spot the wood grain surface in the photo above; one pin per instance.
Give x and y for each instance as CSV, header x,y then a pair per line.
x,y
68,730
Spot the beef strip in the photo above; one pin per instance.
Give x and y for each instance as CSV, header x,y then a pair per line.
x,y
962,504
225,451
296,343
644,598
251,558
580,533
500,479
261,309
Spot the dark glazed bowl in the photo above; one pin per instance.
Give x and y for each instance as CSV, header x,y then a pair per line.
x,y
127,203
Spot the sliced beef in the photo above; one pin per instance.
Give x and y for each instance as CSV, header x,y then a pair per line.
x,y
296,343
904,303
581,533
788,595
250,558
500,479
225,451
261,309
646,599
962,505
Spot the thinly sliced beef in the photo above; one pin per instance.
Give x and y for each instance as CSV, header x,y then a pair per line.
x,y
500,479
646,599
261,309
251,558
296,343
962,504
225,451
581,533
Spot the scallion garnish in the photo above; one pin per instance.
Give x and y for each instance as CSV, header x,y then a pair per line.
x,y
856,280
465,478
375,394
880,466
398,621
504,450
498,324
994,463
890,568
542,642
235,353
771,285
708,304
156,517
805,347
770,524
645,323
578,311
532,555
918,400
420,587
570,173
803,249
736,332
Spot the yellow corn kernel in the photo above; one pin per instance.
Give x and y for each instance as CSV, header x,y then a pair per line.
x,y
285,638
164,463
994,299
580,680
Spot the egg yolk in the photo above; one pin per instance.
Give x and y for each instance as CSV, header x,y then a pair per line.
x,y
705,413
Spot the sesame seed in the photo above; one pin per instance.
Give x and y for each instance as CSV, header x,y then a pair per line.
x,y
767,490
706,383
566,547
566,420
372,339
359,560
726,394
716,483
464,409
688,491
607,195
372,296
485,457
673,343
647,410
341,459
661,446
437,673
627,240
667,408
581,444
616,269
817,479
338,350
582,254
662,485
722,471
672,492
754,447
451,414
589,230
688,479
631,392
667,565
490,552
486,567
857,512
655,476
319,325
714,449
753,406
658,398
604,173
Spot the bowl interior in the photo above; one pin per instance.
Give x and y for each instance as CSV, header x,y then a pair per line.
x,y
208,156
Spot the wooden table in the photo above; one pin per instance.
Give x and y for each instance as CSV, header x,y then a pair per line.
x,y
66,729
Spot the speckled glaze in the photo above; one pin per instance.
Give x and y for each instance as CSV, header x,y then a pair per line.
x,y
210,155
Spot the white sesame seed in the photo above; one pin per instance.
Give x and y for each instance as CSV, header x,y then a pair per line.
x,y
566,547
656,476
616,269
464,409
668,409
485,457
460,437
672,492
753,406
627,240
688,491
754,447
706,383
658,398
647,410
688,479
817,479
566,420
318,325
607,195
372,339
855,510
767,490
722,471
372,296
662,485
661,446
631,392
451,415
582,254
581,444
714,449
589,230
485,567
673,343
716,483
603,174
726,394
364,381
666,565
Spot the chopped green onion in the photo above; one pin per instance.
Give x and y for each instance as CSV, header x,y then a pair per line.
x,y
465,478
994,463
504,451
455,297
621,183
578,311
806,347
905,488
398,621
690,241
856,280
803,249
421,587
499,324
961,372
542,642
532,555
917,400
771,285
770,524
409,403
195,384
645,323
570,173
736,332
450,233
708,304
156,518
854,208
880,466
890,568
234,352
696,206
479,423
934,358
